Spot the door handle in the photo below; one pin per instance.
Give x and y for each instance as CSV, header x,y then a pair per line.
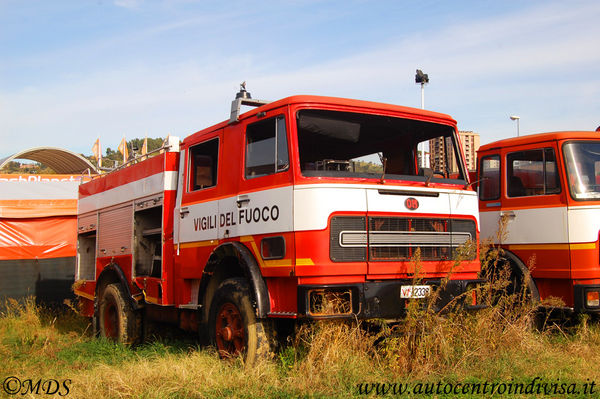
x,y
242,199
183,212
507,214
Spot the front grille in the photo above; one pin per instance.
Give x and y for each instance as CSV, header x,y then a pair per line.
x,y
344,227
394,239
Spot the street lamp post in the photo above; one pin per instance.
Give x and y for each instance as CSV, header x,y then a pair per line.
x,y
516,118
422,79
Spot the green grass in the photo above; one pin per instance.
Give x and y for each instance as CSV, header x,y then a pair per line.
x,y
328,359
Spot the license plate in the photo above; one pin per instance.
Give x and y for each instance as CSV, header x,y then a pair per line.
x,y
415,291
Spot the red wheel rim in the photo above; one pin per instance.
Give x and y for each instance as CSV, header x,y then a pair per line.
x,y
230,335
110,320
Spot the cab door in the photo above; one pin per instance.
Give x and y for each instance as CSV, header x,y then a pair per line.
x,y
489,191
261,212
532,210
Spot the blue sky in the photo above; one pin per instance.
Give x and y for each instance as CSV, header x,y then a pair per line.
x,y
73,71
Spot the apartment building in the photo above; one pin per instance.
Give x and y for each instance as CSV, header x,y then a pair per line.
x,y
470,142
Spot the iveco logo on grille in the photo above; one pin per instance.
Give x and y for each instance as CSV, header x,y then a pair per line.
x,y
411,203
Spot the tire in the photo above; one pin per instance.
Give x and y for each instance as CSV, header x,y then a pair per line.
x,y
521,283
233,327
117,320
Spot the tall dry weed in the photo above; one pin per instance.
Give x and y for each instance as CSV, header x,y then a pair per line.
x,y
323,359
329,353
428,342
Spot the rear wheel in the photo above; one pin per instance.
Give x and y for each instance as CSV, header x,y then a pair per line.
x,y
233,327
117,320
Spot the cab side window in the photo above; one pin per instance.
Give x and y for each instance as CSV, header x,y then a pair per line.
x,y
203,165
489,187
532,172
266,148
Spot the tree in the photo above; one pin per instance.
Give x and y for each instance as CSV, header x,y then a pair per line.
x,y
12,167
153,144
15,167
115,158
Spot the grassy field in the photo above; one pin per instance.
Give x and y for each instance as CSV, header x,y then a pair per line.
x,y
457,355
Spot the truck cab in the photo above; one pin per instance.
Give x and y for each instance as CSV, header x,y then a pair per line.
x,y
546,190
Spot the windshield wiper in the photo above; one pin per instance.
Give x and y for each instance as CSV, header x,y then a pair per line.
x,y
384,164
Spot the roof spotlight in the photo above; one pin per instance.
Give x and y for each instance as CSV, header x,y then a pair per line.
x,y
421,77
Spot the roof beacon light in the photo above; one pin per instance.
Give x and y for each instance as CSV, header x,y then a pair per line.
x,y
243,97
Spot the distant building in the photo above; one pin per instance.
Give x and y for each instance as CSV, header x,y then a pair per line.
x,y
439,160
437,154
470,143
28,165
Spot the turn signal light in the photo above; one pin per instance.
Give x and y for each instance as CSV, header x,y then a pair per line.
x,y
593,298
474,298
473,288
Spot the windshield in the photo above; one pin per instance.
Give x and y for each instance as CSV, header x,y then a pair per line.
x,y
345,144
583,169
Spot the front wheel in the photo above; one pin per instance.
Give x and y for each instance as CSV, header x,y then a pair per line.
x,y
117,320
233,327
520,283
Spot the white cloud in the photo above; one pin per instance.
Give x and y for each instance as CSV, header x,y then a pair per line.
x,y
131,4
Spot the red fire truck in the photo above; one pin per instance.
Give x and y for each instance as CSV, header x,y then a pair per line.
x,y
547,188
273,215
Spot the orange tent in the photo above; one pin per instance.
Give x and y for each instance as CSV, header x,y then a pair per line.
x,y
38,235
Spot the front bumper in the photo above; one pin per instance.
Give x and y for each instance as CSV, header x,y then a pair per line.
x,y
381,299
